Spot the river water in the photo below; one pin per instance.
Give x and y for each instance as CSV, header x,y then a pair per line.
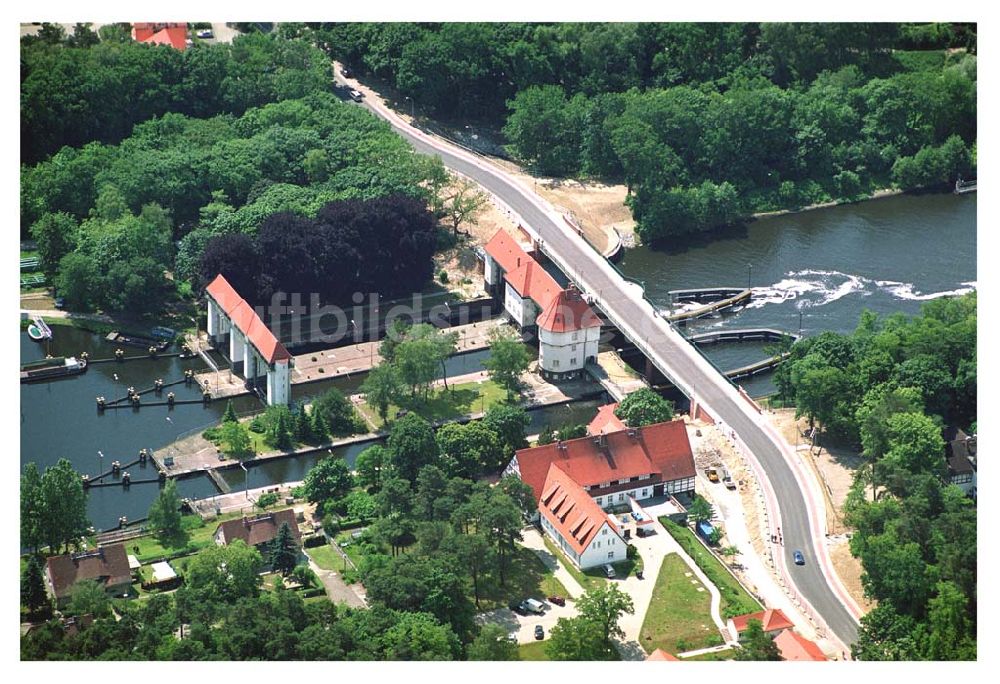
x,y
888,255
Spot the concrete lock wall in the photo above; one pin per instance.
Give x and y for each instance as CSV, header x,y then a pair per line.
x,y
279,383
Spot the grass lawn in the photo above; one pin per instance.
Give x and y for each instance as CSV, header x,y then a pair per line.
x,y
326,558
533,651
528,578
735,599
593,578
447,404
349,546
197,536
679,617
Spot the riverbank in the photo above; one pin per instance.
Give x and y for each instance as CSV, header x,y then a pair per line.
x,y
877,195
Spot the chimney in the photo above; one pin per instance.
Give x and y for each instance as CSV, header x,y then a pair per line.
x,y
632,433
519,262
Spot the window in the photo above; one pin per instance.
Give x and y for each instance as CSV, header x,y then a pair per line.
x,y
598,500
597,545
572,361
573,348
604,531
575,336
611,554
621,497
624,481
555,363
645,493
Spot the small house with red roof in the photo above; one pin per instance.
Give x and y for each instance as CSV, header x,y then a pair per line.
x,y
583,530
605,421
105,565
254,351
636,463
771,621
171,34
794,646
568,329
660,654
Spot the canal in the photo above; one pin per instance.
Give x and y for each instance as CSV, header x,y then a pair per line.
x,y
887,255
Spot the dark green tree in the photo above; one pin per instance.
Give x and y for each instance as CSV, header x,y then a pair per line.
x,y
370,467
284,552
604,607
508,360
644,407
230,414
33,523
328,480
509,422
492,644
756,644
64,503
382,388
411,445
33,594
165,512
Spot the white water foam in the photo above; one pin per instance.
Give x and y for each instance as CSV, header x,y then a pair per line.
x,y
813,288
906,291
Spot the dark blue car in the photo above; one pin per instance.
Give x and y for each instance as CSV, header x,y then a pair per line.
x,y
799,558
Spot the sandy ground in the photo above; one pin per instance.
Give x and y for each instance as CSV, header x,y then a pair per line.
x,y
464,268
598,208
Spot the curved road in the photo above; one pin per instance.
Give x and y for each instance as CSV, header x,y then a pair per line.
x,y
625,306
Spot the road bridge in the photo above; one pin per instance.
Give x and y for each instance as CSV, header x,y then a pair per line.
x,y
793,502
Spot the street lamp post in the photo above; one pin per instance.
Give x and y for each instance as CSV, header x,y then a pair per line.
x,y
246,480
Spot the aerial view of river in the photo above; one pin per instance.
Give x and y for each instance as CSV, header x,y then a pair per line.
x,y
886,255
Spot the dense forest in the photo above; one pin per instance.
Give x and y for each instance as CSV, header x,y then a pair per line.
x,y
152,202
891,388
705,123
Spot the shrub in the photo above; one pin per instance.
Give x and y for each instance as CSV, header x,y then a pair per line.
x,y
443,276
267,499
313,541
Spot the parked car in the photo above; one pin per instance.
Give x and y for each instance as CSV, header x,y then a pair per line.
x,y
517,607
799,558
558,600
533,606
355,95
539,632
609,572
346,72
206,33
512,637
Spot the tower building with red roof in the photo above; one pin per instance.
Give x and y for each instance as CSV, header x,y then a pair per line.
x,y
568,329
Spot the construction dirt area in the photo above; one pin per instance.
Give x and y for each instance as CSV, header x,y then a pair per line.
x,y
834,470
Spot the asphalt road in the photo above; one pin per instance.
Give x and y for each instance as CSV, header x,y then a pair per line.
x,y
624,305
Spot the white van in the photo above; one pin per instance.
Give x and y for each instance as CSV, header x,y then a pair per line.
x,y
609,572
534,606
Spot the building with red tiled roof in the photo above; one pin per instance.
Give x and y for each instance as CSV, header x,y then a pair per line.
x,y
794,646
568,329
605,420
660,654
172,34
771,621
640,463
253,348
586,534
257,531
106,565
